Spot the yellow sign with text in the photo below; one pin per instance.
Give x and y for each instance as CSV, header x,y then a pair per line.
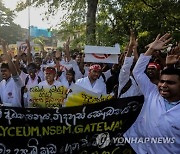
x,y
81,96
47,97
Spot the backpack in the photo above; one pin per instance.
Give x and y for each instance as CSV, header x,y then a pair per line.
x,y
23,89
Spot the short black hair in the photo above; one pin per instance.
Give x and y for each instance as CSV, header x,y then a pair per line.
x,y
38,58
32,65
71,71
5,65
171,71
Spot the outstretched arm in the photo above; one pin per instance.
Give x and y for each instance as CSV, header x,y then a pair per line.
x,y
29,57
67,50
141,78
10,63
128,61
173,57
158,44
17,62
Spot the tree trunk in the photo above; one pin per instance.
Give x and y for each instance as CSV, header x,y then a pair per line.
x,y
91,22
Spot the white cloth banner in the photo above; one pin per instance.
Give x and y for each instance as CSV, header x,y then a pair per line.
x,y
101,58
100,54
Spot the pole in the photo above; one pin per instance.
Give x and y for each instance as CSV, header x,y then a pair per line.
x,y
29,35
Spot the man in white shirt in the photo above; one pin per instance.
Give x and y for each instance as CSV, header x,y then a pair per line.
x,y
38,62
10,86
153,72
50,76
29,80
92,81
50,82
158,120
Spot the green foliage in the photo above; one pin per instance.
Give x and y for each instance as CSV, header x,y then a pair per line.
x,y
6,15
9,31
39,40
114,19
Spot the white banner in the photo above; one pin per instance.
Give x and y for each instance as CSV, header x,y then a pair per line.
x,y
101,54
101,58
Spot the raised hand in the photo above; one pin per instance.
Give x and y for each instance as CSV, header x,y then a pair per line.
x,y
28,45
160,43
19,52
173,56
3,43
132,42
66,48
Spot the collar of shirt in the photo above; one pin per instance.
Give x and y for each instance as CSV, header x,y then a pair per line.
x,y
8,80
169,105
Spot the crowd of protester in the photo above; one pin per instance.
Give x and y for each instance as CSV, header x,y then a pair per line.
x,y
154,74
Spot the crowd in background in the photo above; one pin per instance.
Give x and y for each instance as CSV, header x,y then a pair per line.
x,y
154,74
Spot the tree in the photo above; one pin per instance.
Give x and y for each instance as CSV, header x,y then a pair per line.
x,y
9,31
6,15
75,8
146,18
91,21
12,33
107,22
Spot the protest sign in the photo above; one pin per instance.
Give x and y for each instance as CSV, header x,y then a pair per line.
x,y
82,96
47,97
100,54
23,46
94,128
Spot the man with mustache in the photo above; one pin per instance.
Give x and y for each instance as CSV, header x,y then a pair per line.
x,y
159,116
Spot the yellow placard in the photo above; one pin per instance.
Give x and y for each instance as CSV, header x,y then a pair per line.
x,y
47,97
84,98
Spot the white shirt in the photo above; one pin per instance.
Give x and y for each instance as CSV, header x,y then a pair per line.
x,y
107,74
31,83
63,80
154,120
78,74
10,91
40,73
45,84
98,87
124,76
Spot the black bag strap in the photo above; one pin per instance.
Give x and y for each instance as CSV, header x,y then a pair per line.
x,y
0,101
126,87
39,79
26,80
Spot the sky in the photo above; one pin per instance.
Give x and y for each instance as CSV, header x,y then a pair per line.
x,y
35,16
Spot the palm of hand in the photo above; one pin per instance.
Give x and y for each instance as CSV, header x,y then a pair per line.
x,y
172,59
157,45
